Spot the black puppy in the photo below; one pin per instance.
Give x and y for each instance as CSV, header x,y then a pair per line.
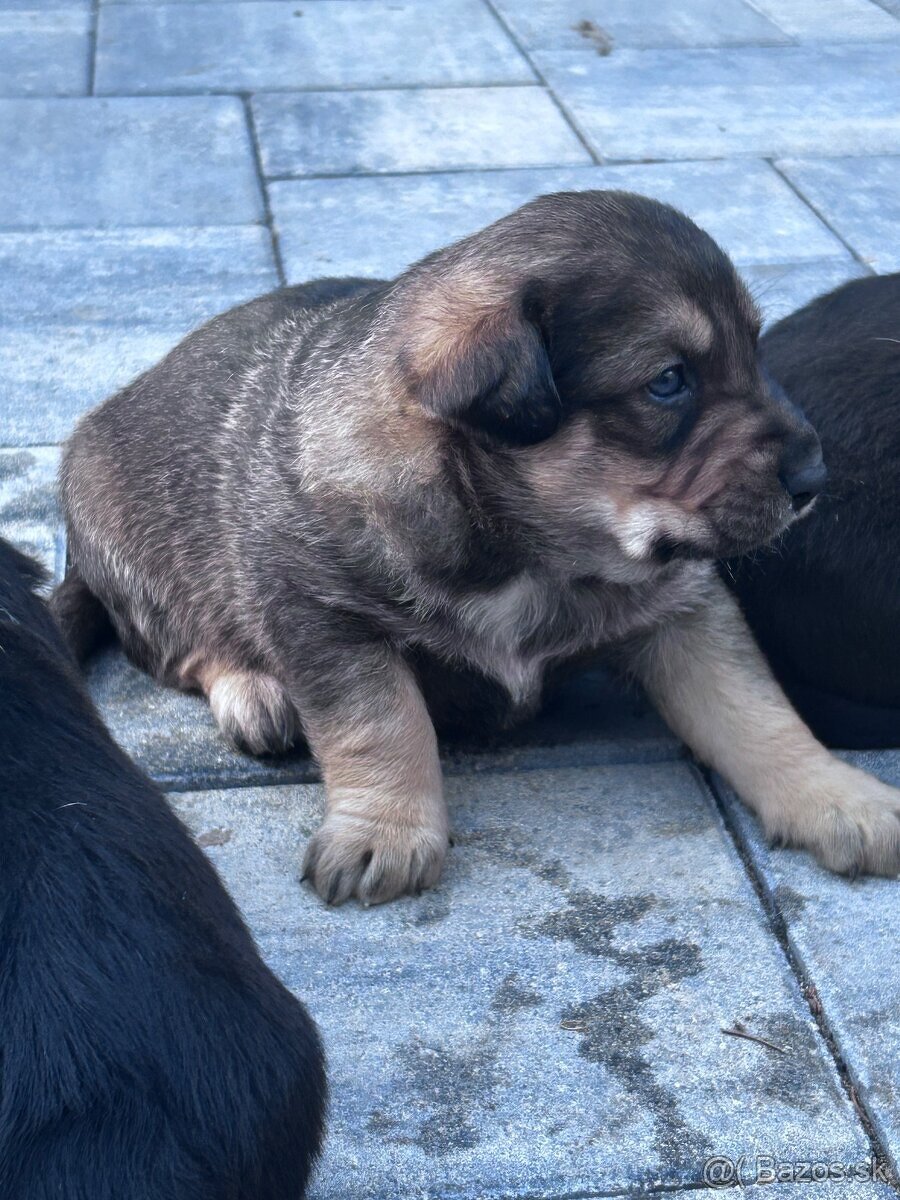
x,y
825,602
146,1052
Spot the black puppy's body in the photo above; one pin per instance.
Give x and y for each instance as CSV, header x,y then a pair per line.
x,y
825,602
147,1052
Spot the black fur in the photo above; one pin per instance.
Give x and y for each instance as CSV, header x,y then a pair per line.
x,y
825,602
146,1052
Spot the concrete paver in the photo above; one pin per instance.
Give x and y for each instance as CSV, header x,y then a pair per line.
x,y
44,51
83,311
835,21
122,161
353,225
860,200
284,44
548,1020
29,515
846,941
346,133
602,26
760,101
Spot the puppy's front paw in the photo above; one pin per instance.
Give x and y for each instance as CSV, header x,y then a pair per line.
x,y
374,860
848,819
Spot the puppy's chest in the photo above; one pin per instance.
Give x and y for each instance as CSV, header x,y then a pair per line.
x,y
514,632
511,633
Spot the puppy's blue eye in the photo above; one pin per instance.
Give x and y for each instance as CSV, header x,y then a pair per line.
x,y
670,384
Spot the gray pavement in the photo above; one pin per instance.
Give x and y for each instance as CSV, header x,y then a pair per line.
x,y
548,1021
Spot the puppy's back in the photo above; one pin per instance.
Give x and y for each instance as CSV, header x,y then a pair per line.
x,y
147,1051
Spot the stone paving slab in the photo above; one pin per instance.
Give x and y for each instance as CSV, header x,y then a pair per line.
x,y
49,377
836,21
860,200
547,1021
782,288
592,26
44,51
162,276
343,133
760,101
286,44
82,311
378,226
29,514
846,939
859,1186
125,161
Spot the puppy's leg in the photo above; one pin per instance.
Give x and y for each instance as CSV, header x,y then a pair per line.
x,y
712,685
385,828
251,708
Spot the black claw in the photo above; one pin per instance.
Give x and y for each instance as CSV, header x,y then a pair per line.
x,y
331,894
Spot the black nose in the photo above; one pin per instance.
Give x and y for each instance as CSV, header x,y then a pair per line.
x,y
803,473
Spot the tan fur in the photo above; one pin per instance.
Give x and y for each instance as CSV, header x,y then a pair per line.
x,y
714,688
249,707
385,829
695,330
585,486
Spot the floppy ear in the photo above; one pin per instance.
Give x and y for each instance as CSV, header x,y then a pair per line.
x,y
488,370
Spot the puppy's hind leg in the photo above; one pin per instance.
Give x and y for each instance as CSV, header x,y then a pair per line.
x,y
251,708
80,614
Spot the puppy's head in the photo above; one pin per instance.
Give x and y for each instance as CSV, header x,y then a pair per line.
x,y
603,348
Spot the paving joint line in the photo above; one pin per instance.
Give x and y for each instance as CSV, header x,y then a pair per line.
x,y
268,221
426,171
886,6
30,230
626,1192
561,108
299,90
307,774
92,46
857,257
779,930
791,38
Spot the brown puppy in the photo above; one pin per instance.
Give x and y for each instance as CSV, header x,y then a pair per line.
x,y
328,507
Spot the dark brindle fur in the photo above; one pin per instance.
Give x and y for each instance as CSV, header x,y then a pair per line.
x,y
146,1051
336,495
